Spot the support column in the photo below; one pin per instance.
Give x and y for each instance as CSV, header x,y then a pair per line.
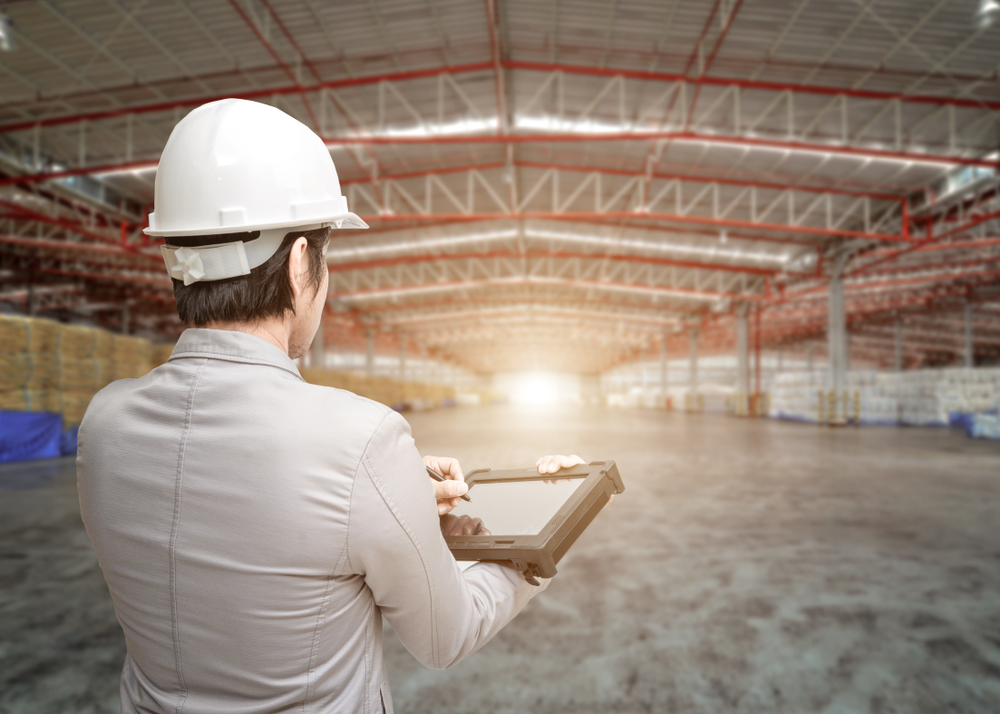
x,y
402,359
370,352
693,391
809,357
664,383
742,362
317,352
899,345
970,357
758,386
836,329
644,372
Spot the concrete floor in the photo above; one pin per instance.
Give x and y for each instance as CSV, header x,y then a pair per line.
x,y
750,566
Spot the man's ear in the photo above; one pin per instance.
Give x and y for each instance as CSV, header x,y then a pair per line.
x,y
298,265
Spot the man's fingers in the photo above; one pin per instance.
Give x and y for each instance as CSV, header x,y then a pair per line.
x,y
446,466
450,489
463,525
447,505
551,464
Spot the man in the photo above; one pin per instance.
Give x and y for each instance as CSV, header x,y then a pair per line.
x,y
254,529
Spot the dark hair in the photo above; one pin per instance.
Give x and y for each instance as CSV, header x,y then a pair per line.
x,y
266,292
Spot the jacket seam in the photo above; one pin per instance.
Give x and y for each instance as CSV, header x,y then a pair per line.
x,y
379,486
174,528
314,648
354,483
346,553
368,664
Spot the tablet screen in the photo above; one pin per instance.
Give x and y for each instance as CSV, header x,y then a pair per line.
x,y
517,507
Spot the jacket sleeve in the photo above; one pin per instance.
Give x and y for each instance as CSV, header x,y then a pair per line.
x,y
440,614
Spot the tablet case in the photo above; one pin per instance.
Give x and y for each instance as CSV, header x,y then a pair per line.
x,y
537,555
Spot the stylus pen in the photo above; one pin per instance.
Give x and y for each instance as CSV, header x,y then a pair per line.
x,y
438,477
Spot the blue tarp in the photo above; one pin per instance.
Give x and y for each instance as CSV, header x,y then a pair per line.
x,y
30,435
67,445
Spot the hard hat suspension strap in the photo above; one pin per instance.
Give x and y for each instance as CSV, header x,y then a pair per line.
x,y
224,260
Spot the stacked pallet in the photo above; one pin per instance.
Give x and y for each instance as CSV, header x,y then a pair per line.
x,y
927,397
385,390
84,368
29,364
132,357
48,366
160,354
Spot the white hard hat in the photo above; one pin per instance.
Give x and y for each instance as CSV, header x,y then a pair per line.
x,y
235,166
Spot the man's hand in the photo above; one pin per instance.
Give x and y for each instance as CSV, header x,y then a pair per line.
x,y
551,464
449,492
462,525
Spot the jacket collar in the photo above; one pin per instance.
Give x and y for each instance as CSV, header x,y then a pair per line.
x,y
231,346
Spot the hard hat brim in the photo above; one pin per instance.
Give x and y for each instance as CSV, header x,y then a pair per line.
x,y
341,222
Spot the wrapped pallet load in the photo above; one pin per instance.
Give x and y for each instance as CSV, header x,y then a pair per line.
x,y
29,364
82,370
77,342
132,357
30,400
28,334
160,354
74,405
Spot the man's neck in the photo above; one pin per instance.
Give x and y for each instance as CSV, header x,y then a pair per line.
x,y
273,331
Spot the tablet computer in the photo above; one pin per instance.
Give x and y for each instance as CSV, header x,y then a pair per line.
x,y
532,519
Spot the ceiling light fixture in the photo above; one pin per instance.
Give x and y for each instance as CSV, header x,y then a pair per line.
x,y
8,40
987,14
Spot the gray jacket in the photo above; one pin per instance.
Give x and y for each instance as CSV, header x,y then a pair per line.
x,y
254,529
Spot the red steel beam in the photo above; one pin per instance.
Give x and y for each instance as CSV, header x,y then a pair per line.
x,y
566,137
255,94
42,244
602,302
25,213
277,58
410,259
758,142
291,38
923,244
507,64
758,84
608,171
609,285
702,220
771,185
165,282
658,230
312,70
711,57
946,277
687,231
526,305
79,171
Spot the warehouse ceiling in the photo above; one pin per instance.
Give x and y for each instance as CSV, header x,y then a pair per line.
x,y
550,185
